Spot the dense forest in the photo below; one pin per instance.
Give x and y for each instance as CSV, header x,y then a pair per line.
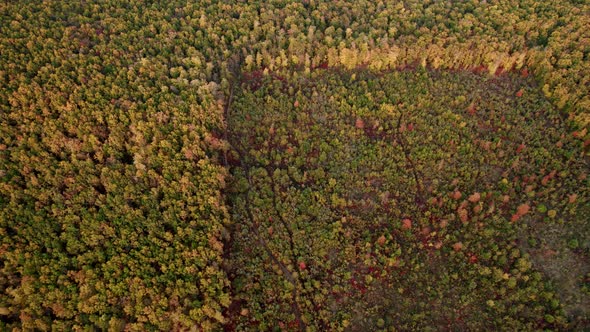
x,y
294,166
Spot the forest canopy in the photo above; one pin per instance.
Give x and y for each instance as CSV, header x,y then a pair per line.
x,y
312,165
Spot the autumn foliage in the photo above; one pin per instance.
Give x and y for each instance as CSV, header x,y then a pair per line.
x,y
310,165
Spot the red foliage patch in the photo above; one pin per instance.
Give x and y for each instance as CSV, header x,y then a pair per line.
x,y
253,79
358,286
499,71
474,198
523,209
471,109
294,324
463,214
323,65
479,69
406,224
359,123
